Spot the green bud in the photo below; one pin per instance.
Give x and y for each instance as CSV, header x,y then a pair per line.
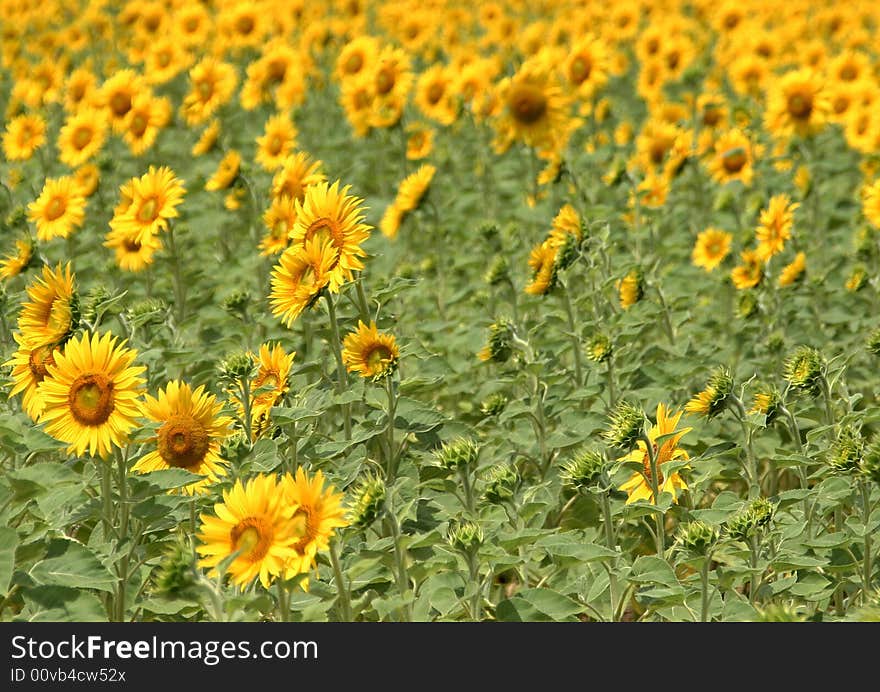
x,y
237,302
499,348
874,342
767,401
427,265
750,521
237,366
804,370
870,465
176,574
148,311
367,501
497,272
466,536
501,483
779,612
723,200
846,453
697,537
583,472
461,453
488,231
235,447
599,348
624,425
494,404
747,305
97,295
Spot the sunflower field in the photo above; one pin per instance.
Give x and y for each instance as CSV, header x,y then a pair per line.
x,y
431,310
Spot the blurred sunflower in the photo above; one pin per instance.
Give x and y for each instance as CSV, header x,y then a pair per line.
x,y
133,250
279,219
29,368
298,171
712,246
750,273
797,104
226,173
268,386
52,313
23,136
357,57
585,68
17,261
871,203
147,116
419,141
733,158
207,139
154,198
212,85
413,188
775,224
117,95
793,271
277,142
542,262
434,96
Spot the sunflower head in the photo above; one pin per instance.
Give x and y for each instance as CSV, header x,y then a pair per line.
x,y
713,399
369,353
805,370
599,348
870,465
502,481
584,471
846,454
768,402
367,501
465,536
697,538
625,425
499,348
461,453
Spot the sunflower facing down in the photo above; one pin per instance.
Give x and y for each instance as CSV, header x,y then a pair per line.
x,y
542,262
91,395
226,173
414,187
278,219
52,313
750,273
369,352
17,261
60,208
319,512
302,272
189,437
28,370
298,171
254,521
639,486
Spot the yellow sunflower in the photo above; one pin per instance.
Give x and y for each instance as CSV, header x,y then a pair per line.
x,y
871,202
775,224
52,313
60,208
91,395
117,95
254,523
29,368
16,262
268,386
133,250
639,486
154,198
370,353
567,222
329,213
302,272
357,97
586,67
412,189
212,85
297,172
189,437
279,219
712,246
277,142
319,512
207,139
391,221
357,57
793,271
87,177
82,136
631,288
733,158
23,136
434,95
542,262
148,115
797,104
226,173
750,273
419,141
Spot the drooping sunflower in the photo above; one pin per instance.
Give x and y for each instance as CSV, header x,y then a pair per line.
x,y
370,353
82,136
302,272
87,177
413,188
189,437
91,395
732,159
52,313
793,271
154,197
268,386
279,219
797,104
750,273
277,142
712,246
392,219
255,521
639,486
23,136
631,288
17,261
133,251
59,209
319,512
329,213
207,139
226,173
775,224
542,262
298,171
567,222
29,368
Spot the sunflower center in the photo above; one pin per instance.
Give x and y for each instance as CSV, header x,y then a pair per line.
x,y
800,106
734,159
280,229
711,116
251,538
90,398
385,79
191,24
377,357
183,441
163,58
138,125
82,137
56,208
244,25
77,91
120,104
152,23
848,73
658,151
652,46
148,211
275,144
435,93
302,527
206,89
361,100
292,188
527,103
39,360
325,229
354,63
841,104
581,67
131,244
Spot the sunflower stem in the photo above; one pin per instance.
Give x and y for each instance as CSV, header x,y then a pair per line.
x,y
829,412
477,599
704,585
867,562
400,564
363,303
575,341
465,475
283,600
612,392
751,462
391,468
655,490
177,279
754,547
123,532
611,544
342,595
244,384
341,374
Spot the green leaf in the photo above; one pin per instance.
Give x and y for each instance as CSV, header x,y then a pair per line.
x,y
414,416
72,564
60,604
8,543
538,605
649,569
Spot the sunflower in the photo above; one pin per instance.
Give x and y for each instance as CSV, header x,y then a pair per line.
x,y
751,272
87,177
302,272
319,512
147,116
535,110
254,523
82,136
155,197
298,171
639,486
91,395
207,139
268,386
871,202
392,220
567,222
80,89
16,262
749,74
330,214
52,313
733,158
391,76
212,85
797,104
542,262
23,136
189,437
849,66
279,219
226,173
370,353
712,246
357,97
117,95
413,188
631,288
277,142
357,57
793,271
28,370
419,141
585,68
165,58
133,250
776,222
59,209
434,96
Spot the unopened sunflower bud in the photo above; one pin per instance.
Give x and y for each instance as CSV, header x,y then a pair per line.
x,y
804,370
97,295
367,501
466,536
697,537
870,465
237,302
599,348
846,453
568,252
767,401
235,447
714,397
761,511
499,348
427,265
237,366
147,311
497,272
723,200
501,483
177,573
625,425
874,342
494,404
461,453
779,612
864,243
488,231
16,219
747,305
750,521
583,472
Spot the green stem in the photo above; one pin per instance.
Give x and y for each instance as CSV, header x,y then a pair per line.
x,y
867,566
283,600
655,489
400,563
179,285
477,602
611,544
754,547
752,463
244,384
667,318
341,374
391,463
363,303
704,584
829,413
342,595
612,391
465,475
123,533
575,342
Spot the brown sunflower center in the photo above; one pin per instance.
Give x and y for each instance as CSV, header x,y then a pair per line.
x,y
354,63
303,526
163,58
841,104
131,244
377,356
139,125
38,361
848,73
82,137
435,93
652,46
191,24
56,208
148,211
385,80
325,229
292,188
252,538
275,144
120,104
658,150
527,103
151,23
734,160
245,25
580,70
361,100
800,106
77,91
673,59
711,116
183,441
90,398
